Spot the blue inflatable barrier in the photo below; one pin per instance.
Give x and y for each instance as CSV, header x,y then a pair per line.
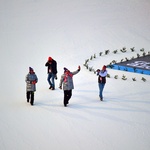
x,y
129,69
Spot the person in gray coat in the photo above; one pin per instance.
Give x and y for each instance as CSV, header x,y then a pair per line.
x,y
31,80
67,82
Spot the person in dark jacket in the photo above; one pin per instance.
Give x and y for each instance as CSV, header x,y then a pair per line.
x,y
67,82
31,80
101,80
51,65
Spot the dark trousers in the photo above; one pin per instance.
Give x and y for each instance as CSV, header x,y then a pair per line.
x,y
30,96
67,96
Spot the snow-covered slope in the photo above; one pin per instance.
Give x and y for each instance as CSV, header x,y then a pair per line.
x,y
70,32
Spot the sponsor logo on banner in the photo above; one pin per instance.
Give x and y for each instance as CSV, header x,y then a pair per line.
x,y
140,64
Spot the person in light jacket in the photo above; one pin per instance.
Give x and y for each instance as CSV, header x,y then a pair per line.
x,y
67,82
31,80
101,80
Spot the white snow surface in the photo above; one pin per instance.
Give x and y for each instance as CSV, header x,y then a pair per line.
x,y
71,31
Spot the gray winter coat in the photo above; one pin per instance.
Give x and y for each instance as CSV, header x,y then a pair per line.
x,y
68,84
29,79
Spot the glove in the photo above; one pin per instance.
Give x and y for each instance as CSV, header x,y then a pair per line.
x,y
56,76
98,70
33,82
79,68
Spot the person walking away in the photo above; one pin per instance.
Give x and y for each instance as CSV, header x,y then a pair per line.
x,y
101,80
51,65
31,80
67,82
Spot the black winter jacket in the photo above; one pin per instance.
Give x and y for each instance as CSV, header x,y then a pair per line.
x,y
102,76
52,67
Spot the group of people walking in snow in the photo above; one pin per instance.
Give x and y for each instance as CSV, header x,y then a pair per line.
x,y
66,81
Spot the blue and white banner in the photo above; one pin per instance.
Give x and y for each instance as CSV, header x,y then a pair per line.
x,y
137,65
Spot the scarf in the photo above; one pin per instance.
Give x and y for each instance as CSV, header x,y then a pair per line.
x,y
67,74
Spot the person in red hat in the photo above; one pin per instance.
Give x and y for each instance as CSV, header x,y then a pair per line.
x,y
51,65
67,82
31,80
101,80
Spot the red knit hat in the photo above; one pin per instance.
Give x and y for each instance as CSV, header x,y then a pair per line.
x,y
104,67
50,59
